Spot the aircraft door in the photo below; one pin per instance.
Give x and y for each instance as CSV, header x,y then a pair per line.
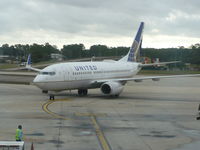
x,y
66,74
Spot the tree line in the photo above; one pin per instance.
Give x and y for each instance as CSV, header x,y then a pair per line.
x,y
42,52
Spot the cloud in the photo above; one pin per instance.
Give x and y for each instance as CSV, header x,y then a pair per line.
x,y
51,20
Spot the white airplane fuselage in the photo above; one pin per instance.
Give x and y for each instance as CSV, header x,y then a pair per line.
x,y
80,75
110,76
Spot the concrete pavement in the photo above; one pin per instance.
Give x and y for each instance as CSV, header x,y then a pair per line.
x,y
148,115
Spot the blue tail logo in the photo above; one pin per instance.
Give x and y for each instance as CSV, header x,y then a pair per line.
x,y
136,44
29,60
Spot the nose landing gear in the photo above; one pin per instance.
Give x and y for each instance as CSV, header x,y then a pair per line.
x,y
51,97
198,117
81,92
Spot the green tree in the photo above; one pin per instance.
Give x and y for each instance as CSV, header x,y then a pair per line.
x,y
73,50
98,50
42,52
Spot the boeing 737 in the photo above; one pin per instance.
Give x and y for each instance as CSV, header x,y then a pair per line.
x,y
109,75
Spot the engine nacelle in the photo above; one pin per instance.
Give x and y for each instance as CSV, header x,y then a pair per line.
x,y
111,88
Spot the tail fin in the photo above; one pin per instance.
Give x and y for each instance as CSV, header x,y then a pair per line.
x,y
136,46
28,64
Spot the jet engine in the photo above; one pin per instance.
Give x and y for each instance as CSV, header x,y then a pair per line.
x,y
111,88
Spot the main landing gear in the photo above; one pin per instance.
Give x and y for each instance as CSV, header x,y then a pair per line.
x,y
198,115
82,92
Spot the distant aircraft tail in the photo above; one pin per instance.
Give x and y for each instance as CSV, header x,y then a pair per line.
x,y
28,64
136,46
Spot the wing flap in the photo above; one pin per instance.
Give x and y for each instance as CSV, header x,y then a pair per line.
x,y
141,78
157,64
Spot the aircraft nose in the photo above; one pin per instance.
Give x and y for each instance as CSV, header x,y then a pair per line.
x,y
39,82
36,79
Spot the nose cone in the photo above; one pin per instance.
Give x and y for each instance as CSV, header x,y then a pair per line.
x,y
38,81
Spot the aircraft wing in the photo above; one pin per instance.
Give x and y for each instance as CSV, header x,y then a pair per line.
x,y
141,78
14,73
19,77
159,63
34,69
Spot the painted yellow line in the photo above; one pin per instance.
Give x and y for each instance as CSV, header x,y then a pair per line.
x,y
46,109
100,135
89,114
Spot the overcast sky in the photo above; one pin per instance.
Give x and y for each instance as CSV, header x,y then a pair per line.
x,y
168,23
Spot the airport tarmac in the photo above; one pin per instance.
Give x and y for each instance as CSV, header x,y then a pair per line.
x,y
147,116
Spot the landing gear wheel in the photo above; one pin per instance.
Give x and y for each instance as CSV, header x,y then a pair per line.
x,y
79,92
114,96
44,91
82,92
51,97
85,92
117,95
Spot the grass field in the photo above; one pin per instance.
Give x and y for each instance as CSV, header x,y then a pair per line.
x,y
6,66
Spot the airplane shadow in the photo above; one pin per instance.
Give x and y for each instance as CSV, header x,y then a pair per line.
x,y
124,97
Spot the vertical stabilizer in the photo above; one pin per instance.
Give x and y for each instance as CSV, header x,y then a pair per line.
x,y
135,47
28,63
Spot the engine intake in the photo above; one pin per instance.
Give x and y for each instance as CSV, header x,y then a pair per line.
x,y
111,88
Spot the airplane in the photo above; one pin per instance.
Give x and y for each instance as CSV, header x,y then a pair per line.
x,y
108,75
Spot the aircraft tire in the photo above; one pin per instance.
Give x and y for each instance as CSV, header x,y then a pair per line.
x,y
117,95
44,91
51,97
85,92
82,92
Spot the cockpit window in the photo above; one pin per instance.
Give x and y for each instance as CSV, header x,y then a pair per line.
x,y
47,73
